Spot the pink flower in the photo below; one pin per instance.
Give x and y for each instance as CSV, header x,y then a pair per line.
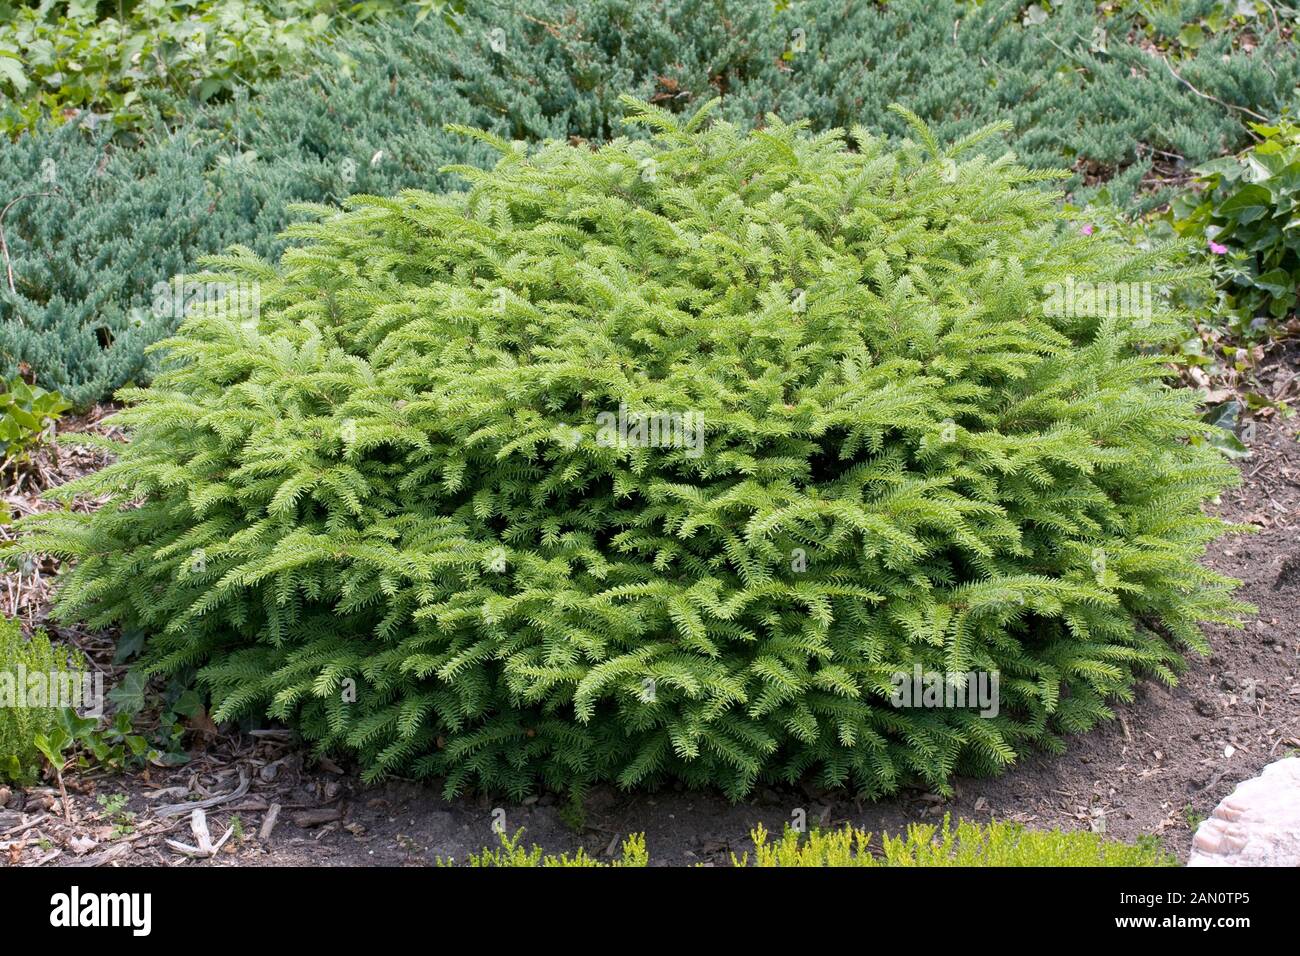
x,y
1217,249
1086,230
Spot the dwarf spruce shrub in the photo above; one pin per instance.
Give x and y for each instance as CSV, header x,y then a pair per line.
x,y
665,460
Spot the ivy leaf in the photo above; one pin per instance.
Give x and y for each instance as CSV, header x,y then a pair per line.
x,y
1247,204
1224,417
128,696
130,644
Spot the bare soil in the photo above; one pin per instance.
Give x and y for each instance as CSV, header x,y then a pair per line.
x,y
1158,768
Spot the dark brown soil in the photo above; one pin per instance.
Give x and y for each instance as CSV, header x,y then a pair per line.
x,y
1158,768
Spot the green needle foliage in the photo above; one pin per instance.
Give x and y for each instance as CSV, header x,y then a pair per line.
x,y
391,508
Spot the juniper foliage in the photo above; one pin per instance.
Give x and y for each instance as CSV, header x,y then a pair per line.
x,y
388,511
104,219
90,227
1083,88
370,120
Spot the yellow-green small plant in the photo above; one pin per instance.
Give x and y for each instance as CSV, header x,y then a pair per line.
x,y
969,844
512,853
21,725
